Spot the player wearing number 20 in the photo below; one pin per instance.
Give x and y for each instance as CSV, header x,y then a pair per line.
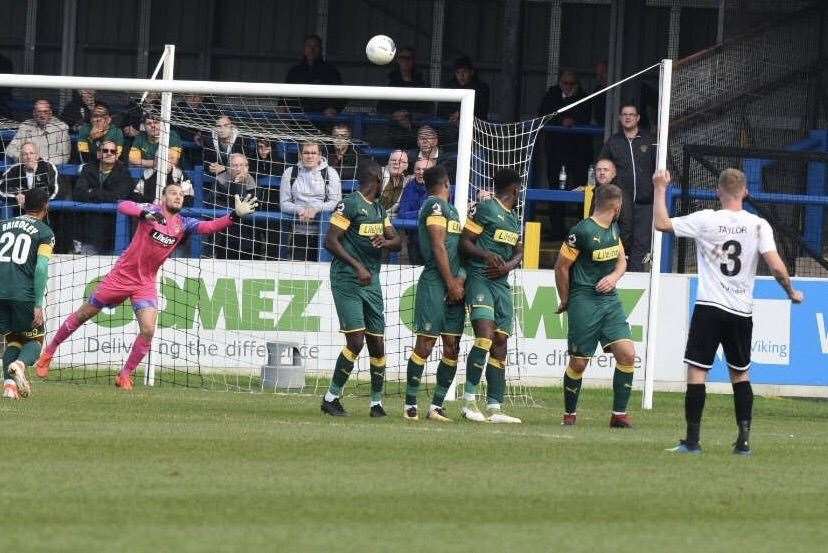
x,y
161,228
728,244
26,244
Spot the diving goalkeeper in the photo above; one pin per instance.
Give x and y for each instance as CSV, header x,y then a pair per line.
x,y
161,229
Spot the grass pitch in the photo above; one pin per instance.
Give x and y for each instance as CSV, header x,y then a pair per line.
x,y
88,468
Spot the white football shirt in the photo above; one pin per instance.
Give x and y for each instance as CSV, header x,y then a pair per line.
x,y
728,245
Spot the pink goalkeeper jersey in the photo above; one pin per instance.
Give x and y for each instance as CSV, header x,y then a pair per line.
x,y
153,243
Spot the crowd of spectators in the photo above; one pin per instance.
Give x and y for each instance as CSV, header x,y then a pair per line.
x,y
305,182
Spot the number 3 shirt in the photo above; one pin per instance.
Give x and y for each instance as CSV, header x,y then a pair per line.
x,y
728,245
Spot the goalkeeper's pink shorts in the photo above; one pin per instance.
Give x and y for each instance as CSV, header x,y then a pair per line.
x,y
110,294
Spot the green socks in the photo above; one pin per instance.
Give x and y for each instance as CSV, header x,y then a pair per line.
x,y
30,352
342,370
414,373
377,378
621,387
495,381
445,374
475,364
572,389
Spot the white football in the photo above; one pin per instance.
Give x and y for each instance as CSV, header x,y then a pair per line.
x,y
381,50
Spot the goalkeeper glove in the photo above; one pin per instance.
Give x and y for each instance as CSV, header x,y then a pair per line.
x,y
151,216
244,206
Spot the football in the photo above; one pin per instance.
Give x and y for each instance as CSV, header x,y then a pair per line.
x,y
380,50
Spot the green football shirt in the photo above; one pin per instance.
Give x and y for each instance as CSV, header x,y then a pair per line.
x,y
22,239
498,231
147,148
361,220
437,211
595,250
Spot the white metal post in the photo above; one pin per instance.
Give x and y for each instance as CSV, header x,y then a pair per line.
x,y
664,91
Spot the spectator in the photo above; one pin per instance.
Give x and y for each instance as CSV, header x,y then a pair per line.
x,y
225,140
413,195
91,135
632,150
405,75
399,133
564,149
266,163
78,111
237,242
604,174
342,155
31,172
50,134
313,69
393,181
428,147
144,148
308,188
107,181
465,76
198,110
146,189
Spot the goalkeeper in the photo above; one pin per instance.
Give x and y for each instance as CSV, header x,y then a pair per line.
x,y
492,246
359,231
26,244
161,229
589,265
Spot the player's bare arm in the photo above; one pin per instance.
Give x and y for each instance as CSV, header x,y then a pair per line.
x,y
333,243
562,267
389,239
437,236
469,248
780,273
607,284
495,272
661,217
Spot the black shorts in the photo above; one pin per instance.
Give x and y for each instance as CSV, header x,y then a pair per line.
x,y
711,326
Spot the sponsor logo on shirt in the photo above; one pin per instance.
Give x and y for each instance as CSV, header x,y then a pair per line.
x,y
370,229
606,254
164,239
506,237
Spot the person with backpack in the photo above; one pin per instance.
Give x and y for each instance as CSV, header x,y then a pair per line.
x,y
307,189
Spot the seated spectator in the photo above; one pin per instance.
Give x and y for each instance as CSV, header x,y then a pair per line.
x,y
413,195
341,155
266,163
107,181
146,189
50,134
428,147
465,76
393,180
91,135
405,75
313,69
237,242
144,148
78,111
398,133
224,141
31,172
308,188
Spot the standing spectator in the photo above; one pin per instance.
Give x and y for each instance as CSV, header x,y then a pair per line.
x,y
604,174
31,172
465,76
107,181
405,75
145,146
266,163
91,135
307,188
413,195
237,241
50,134
564,149
342,155
313,69
225,140
393,181
632,150
79,109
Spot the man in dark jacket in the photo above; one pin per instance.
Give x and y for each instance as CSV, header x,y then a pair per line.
x,y
108,181
31,172
633,152
313,69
